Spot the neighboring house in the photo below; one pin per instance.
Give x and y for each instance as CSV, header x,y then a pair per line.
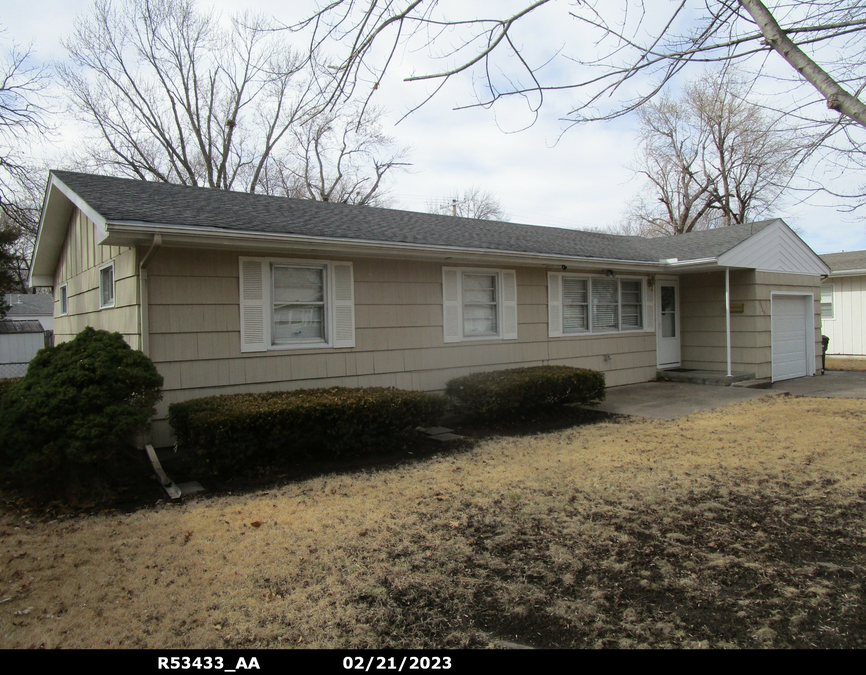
x,y
19,342
232,292
31,307
24,331
843,303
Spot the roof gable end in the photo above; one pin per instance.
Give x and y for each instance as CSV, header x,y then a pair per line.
x,y
776,248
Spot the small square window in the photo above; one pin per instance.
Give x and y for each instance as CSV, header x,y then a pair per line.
x,y
106,286
64,301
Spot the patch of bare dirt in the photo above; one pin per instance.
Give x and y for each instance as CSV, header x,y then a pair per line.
x,y
741,527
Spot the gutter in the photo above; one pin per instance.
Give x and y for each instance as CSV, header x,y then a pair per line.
x,y
119,234
846,273
143,306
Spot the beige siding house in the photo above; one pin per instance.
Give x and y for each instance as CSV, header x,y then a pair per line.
x,y
230,292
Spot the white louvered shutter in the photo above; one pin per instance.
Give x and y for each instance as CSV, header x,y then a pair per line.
x,y
509,305
554,304
451,304
253,277
649,307
343,296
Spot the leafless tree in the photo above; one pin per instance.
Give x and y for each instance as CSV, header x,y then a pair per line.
x,y
473,202
710,158
337,157
174,96
24,116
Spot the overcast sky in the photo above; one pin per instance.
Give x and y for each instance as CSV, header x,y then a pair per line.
x,y
541,176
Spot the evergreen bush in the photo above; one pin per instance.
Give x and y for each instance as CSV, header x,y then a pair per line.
x,y
79,404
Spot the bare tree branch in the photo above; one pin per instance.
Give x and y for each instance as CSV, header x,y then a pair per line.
x,y
174,97
616,56
337,157
24,117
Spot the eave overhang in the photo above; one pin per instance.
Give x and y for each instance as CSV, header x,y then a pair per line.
x,y
129,233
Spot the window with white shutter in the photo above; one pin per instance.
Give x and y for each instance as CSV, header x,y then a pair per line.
x,y
287,304
479,304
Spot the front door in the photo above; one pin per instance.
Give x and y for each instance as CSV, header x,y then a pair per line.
x,y
668,324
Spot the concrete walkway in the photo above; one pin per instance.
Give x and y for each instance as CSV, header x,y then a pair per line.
x,y
669,400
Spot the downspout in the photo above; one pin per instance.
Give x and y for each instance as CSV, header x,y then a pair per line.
x,y
144,314
728,315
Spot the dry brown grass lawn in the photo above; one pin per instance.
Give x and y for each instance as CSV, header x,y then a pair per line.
x,y
842,363
739,527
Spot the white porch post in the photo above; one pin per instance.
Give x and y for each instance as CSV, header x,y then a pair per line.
x,y
728,315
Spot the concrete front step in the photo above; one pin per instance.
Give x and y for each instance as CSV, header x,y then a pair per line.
x,y
713,377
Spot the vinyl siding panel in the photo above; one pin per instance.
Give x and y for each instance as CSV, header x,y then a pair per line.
x,y
78,268
399,341
702,298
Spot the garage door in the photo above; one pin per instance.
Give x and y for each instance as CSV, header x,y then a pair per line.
x,y
790,346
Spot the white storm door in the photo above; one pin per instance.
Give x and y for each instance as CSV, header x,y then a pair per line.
x,y
668,324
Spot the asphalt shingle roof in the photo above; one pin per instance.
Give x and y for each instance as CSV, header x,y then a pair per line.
x,y
122,199
29,304
848,260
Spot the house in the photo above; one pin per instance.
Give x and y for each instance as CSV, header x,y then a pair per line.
x,y
234,292
25,330
843,303
31,307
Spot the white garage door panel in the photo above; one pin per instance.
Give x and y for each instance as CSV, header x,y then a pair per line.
x,y
790,349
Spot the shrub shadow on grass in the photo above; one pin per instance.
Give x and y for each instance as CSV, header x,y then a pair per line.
x,y
136,486
563,417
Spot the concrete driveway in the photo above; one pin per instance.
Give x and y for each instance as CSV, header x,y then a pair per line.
x,y
832,384
669,400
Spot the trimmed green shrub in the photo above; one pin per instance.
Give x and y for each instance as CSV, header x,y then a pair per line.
x,y
522,392
237,431
79,404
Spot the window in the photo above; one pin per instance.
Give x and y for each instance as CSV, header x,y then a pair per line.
x,y
106,286
479,304
64,300
593,304
827,301
288,304
480,315
299,304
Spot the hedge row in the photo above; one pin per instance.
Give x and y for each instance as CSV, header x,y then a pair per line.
x,y
521,392
235,431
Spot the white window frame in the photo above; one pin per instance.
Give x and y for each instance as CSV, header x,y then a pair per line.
x,y
557,305
63,292
454,304
110,303
830,288
257,305
327,305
